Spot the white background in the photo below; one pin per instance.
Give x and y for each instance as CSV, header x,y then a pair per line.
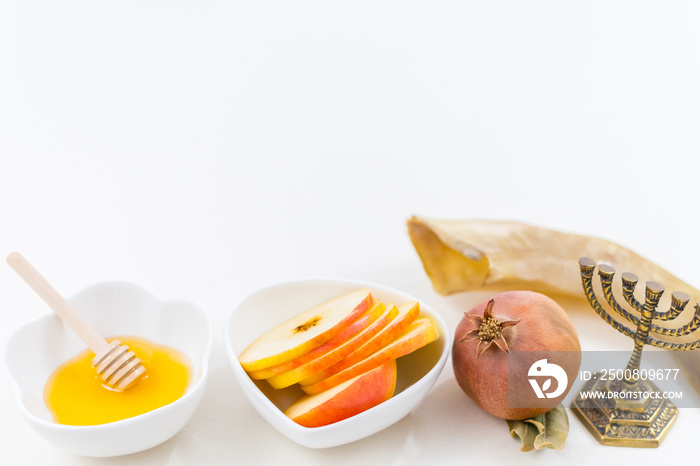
x,y
205,149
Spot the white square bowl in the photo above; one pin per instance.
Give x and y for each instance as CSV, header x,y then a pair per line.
x,y
273,305
114,308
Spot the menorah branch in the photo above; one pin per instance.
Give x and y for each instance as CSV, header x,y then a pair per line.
x,y
607,274
678,302
685,330
667,345
629,283
587,265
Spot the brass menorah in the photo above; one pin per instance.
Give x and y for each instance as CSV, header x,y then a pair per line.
x,y
631,418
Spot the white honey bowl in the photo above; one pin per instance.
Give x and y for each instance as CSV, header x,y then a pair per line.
x,y
114,308
273,305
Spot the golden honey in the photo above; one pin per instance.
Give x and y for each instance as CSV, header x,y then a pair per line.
x,y
76,396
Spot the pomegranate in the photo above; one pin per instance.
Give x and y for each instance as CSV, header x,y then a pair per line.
x,y
520,331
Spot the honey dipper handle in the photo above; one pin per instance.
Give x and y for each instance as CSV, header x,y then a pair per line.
x,y
56,302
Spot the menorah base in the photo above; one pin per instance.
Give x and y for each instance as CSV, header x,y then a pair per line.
x,y
643,421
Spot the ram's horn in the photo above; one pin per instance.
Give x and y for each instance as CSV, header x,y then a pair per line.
x,y
478,255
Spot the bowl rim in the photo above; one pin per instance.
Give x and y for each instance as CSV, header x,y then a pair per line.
x,y
242,376
191,393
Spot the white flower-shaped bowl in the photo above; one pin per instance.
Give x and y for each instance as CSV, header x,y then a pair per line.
x,y
113,308
271,306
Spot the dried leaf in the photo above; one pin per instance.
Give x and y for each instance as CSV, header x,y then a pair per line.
x,y
548,430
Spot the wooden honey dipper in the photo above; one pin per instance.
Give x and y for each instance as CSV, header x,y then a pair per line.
x,y
120,368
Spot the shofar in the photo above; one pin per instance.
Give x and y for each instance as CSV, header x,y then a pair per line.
x,y
479,255
470,255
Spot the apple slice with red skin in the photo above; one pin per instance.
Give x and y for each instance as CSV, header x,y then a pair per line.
x,y
335,354
347,399
347,334
305,332
421,332
408,312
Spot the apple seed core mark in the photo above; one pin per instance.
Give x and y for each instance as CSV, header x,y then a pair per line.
x,y
307,325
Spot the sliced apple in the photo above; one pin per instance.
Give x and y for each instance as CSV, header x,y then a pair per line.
x,y
334,355
305,332
408,312
421,332
347,399
370,316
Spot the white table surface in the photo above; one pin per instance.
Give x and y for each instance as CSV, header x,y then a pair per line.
x,y
206,149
